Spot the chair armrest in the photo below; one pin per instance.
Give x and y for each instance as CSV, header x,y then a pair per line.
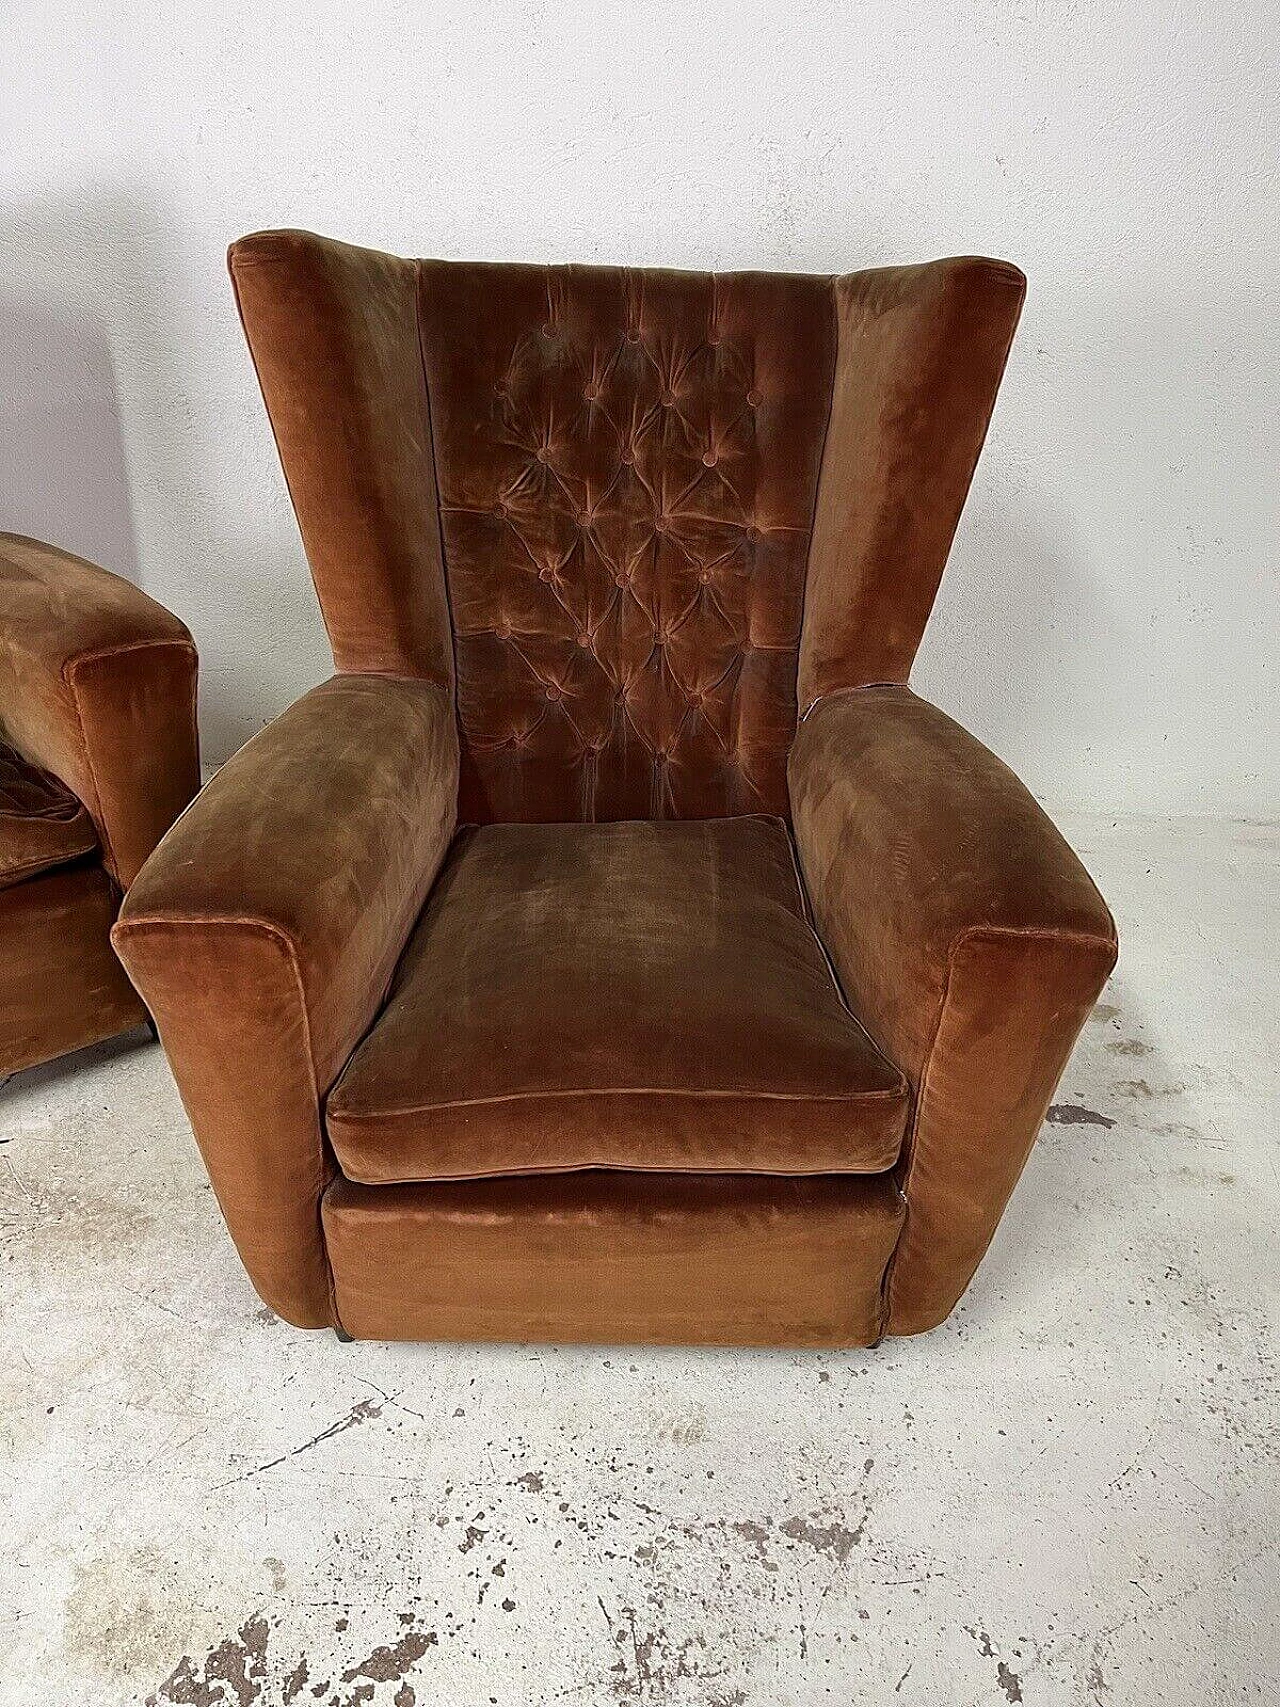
x,y
98,685
970,941
263,934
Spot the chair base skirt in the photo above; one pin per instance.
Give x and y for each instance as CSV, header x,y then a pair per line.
x,y
616,1258
61,985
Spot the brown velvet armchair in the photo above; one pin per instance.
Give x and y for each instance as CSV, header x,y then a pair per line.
x,y
499,974
98,755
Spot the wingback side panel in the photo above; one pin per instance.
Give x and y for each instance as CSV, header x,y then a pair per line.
x,y
921,354
627,465
334,335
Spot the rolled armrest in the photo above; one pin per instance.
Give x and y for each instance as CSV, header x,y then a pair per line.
x,y
970,941
264,932
98,685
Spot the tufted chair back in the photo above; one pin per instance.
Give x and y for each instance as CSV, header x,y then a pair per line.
x,y
594,498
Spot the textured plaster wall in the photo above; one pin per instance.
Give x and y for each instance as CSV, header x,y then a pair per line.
x,y
1110,617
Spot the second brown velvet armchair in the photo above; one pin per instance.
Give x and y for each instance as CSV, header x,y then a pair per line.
x,y
98,756
616,948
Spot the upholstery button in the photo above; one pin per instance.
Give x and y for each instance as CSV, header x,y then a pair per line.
x,y
500,508
548,330
713,338
705,576
668,399
633,334
663,524
753,533
591,393
621,578
584,640
628,456
546,573
710,458
554,693
755,397
541,453
584,518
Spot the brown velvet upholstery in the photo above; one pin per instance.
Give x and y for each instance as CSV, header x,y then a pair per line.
x,y
42,824
974,966
98,755
709,1259
627,466
98,685
264,933
61,985
638,995
612,562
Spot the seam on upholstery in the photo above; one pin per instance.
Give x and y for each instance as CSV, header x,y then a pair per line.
x,y
92,653
693,515
910,1147
887,1094
435,475
1053,933
961,941
236,262
832,281
843,693
811,921
334,1318
881,1171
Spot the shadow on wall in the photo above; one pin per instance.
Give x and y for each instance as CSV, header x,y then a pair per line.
x,y
62,464
105,297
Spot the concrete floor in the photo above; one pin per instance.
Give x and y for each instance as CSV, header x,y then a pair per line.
x,y
1066,1495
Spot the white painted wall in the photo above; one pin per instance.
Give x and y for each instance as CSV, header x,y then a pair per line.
x,y
1111,614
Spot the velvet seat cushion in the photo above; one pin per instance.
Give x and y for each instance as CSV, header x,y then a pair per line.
x,y
637,995
42,824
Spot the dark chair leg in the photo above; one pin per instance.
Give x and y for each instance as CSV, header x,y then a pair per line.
x,y
343,1337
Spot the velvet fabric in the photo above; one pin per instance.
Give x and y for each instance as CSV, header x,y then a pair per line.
x,y
611,1256
42,824
627,466
334,336
61,987
610,561
974,967
98,685
98,755
264,933
921,354
631,995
